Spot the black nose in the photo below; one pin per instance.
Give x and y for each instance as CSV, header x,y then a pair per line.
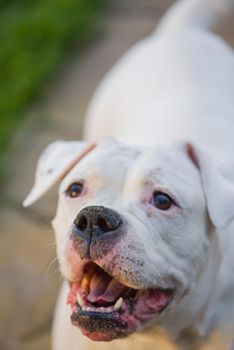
x,y
96,221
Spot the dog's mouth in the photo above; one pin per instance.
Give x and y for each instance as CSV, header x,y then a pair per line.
x,y
105,309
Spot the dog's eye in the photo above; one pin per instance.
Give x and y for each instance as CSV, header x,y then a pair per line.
x,y
74,190
162,201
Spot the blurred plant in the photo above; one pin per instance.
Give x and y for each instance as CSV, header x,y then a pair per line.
x,y
34,36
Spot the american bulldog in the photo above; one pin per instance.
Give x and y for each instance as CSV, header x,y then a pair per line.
x,y
144,226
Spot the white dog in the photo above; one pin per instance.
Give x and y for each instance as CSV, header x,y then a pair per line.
x,y
144,224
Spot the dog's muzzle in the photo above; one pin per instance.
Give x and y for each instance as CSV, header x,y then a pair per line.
x,y
96,222
105,303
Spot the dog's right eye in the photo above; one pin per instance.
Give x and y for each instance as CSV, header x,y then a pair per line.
x,y
162,201
74,190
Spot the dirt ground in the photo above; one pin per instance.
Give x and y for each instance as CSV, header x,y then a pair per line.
x,y
29,276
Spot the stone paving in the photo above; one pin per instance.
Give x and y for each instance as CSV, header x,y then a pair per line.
x,y
29,277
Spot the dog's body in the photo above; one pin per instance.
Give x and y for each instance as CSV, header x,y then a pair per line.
x,y
178,84
180,79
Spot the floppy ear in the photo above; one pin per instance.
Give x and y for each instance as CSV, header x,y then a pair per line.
x,y
218,185
54,163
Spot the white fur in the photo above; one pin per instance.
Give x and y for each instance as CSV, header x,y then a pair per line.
x,y
173,85
177,84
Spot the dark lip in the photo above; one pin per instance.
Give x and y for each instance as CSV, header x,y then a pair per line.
x,y
97,315
107,324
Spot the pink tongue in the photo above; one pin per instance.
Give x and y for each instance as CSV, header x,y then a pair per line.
x,y
104,289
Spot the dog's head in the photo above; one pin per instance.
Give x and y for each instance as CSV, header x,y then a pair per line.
x,y
133,229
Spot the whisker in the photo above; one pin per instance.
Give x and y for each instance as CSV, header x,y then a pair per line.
x,y
49,267
48,277
51,244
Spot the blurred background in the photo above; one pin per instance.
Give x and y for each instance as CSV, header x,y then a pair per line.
x,y
53,53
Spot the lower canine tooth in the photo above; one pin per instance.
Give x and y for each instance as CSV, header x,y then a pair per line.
x,y
80,300
118,303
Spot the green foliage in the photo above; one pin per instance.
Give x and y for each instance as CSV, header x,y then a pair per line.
x,y
34,36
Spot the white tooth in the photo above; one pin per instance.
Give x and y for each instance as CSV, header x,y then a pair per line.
x,y
88,308
102,309
118,303
80,300
84,308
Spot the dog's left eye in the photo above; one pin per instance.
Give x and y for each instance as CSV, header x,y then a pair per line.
x,y
74,190
162,201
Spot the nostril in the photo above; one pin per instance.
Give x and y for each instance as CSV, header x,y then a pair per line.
x,y
82,223
102,224
106,224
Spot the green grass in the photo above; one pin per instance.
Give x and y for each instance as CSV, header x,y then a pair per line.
x,y
35,35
